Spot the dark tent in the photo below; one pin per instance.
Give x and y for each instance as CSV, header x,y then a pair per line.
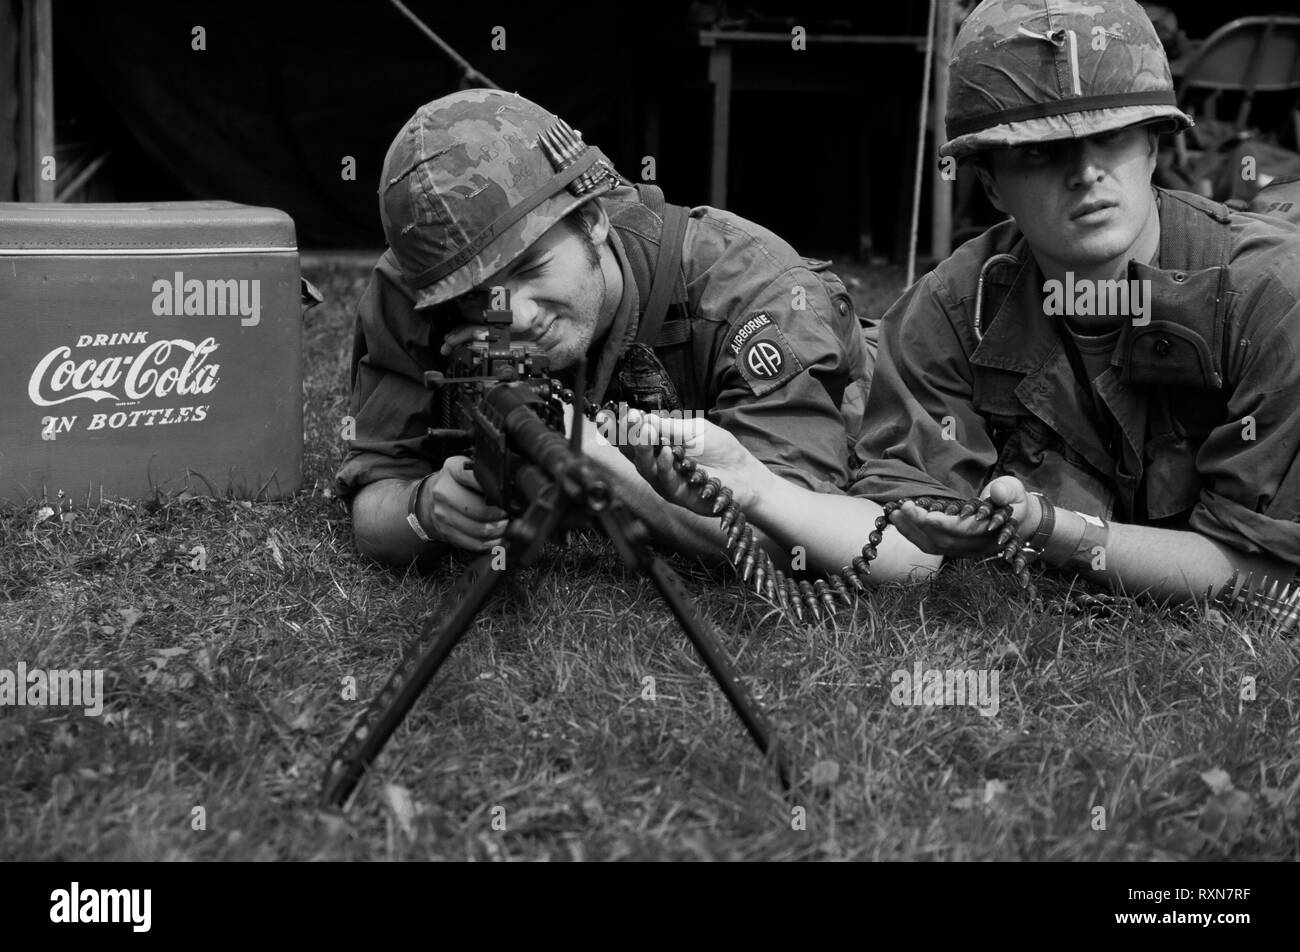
x,y
285,91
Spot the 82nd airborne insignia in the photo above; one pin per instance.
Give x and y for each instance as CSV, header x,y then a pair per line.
x,y
763,354
764,360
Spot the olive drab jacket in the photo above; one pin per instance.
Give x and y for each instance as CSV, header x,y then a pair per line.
x,y
1202,395
765,342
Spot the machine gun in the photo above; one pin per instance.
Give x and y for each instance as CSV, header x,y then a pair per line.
x,y
500,401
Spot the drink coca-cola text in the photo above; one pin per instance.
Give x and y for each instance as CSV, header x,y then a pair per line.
x,y
161,369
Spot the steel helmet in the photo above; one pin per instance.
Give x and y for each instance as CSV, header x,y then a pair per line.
x,y
472,180
1025,71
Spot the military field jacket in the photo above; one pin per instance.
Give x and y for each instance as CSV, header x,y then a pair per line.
x,y
948,412
762,340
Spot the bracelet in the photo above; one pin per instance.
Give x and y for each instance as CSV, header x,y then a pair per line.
x,y
412,519
1096,533
1046,523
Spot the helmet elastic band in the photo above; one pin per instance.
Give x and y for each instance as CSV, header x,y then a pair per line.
x,y
551,187
1151,97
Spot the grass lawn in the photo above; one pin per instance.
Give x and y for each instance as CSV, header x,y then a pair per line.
x,y
226,691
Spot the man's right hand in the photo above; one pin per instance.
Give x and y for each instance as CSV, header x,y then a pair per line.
x,y
709,445
968,536
452,509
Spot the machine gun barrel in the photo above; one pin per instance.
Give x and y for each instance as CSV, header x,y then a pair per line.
x,y
512,406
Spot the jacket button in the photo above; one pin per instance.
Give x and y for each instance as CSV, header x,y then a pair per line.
x,y
1162,347
1179,277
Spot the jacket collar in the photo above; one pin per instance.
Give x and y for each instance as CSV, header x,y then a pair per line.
x,y
1021,339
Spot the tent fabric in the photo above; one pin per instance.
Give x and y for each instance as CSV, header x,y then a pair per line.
x,y
285,91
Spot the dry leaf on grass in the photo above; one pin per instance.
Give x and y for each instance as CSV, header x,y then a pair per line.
x,y
1217,779
825,773
993,789
399,801
1227,810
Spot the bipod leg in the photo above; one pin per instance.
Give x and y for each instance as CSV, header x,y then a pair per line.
x,y
524,539
630,538
420,662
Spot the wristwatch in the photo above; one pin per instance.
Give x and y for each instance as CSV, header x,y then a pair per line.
x,y
412,519
1038,541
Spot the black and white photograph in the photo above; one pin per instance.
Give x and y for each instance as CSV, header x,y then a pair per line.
x,y
766,432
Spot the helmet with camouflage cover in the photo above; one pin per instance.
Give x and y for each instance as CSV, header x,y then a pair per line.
x,y
1026,71
472,180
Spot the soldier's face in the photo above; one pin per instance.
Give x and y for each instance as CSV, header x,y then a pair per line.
x,y
1081,203
559,292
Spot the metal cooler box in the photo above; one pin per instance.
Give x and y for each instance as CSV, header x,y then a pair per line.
x,y
149,345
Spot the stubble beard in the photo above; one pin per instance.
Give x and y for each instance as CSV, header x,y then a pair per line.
x,y
588,316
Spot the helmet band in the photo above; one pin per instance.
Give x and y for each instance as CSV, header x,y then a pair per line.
x,y
551,187
1153,97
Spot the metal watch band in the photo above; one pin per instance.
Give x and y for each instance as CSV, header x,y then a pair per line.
x,y
1066,534
1038,541
412,519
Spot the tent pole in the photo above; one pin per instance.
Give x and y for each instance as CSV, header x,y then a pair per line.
x,y
38,110
941,185
920,146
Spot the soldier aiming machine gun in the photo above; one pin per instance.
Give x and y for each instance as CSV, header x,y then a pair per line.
x,y
511,414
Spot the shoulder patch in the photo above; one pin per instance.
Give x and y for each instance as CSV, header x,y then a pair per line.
x,y
748,328
763,354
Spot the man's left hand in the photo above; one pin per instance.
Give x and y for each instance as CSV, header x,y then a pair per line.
x,y
596,447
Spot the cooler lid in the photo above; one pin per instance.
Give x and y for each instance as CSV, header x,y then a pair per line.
x,y
142,227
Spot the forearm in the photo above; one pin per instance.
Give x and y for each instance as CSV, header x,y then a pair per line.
x,y
1175,564
379,525
832,530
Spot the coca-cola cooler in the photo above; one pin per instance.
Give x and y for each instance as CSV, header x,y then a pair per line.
x,y
149,346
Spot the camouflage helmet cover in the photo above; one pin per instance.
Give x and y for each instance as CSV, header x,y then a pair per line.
x,y
472,180
1025,71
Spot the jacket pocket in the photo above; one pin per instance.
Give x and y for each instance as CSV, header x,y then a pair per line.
x,y
1172,482
1039,458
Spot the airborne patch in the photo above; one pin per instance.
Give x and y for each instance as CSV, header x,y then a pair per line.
x,y
763,355
752,325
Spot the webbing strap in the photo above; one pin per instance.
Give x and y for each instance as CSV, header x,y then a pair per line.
x,y
665,277
674,332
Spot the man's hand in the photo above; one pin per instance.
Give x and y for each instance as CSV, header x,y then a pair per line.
x,y
967,536
452,505
716,450
596,447
462,334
